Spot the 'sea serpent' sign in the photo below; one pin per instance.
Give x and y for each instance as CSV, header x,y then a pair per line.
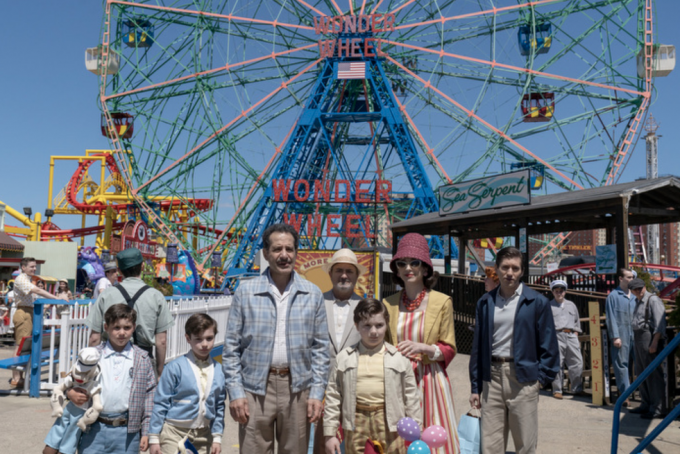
x,y
482,194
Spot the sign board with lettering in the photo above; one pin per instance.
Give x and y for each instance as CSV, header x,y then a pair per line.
x,y
134,234
309,263
483,194
597,376
605,259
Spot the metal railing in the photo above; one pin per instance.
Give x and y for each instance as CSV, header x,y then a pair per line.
x,y
669,350
69,334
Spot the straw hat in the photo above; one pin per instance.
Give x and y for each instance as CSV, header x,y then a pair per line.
x,y
344,255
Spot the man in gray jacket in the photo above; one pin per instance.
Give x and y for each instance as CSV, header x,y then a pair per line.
x,y
344,270
649,327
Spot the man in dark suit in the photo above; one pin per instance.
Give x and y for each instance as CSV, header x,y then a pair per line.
x,y
344,270
514,353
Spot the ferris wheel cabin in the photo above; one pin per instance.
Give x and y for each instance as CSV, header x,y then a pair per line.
x,y
123,122
538,107
539,42
663,62
94,64
138,33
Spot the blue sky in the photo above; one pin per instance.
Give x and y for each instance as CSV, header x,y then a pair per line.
x,y
49,100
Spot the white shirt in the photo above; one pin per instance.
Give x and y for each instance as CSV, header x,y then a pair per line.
x,y
340,313
116,378
504,323
102,284
280,356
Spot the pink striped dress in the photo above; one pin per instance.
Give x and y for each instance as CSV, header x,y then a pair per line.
x,y
434,384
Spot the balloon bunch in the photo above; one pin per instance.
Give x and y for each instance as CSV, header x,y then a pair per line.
x,y
432,438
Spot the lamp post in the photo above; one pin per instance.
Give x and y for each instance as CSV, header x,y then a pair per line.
x,y
172,257
215,263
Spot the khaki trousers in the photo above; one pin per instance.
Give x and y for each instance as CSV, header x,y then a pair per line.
x,y
23,323
170,437
279,415
373,425
509,405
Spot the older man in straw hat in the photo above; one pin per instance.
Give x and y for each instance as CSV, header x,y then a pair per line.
x,y
344,270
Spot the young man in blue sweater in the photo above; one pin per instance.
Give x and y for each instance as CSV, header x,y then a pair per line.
x,y
191,395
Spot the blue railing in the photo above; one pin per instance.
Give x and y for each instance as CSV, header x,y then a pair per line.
x,y
669,350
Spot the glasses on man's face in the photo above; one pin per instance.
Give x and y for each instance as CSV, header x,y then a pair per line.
x,y
412,263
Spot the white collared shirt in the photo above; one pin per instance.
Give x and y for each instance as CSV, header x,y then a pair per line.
x,y
116,378
280,356
504,323
340,314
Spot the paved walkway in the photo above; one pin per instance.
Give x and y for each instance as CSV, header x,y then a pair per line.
x,y
572,425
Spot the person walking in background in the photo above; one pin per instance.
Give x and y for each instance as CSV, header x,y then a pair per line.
x,y
514,353
568,327
276,352
649,329
421,326
25,293
110,278
341,300
371,388
63,290
154,318
619,310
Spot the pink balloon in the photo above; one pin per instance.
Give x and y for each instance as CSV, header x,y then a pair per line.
x,y
434,436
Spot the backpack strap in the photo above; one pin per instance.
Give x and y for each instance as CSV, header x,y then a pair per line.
x,y
131,302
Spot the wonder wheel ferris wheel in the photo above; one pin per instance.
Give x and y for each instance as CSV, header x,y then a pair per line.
x,y
222,100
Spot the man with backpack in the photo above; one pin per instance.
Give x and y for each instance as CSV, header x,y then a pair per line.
x,y
153,316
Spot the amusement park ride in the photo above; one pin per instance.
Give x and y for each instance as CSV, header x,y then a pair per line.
x,y
208,106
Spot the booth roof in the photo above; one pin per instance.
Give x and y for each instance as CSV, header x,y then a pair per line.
x,y
7,243
649,202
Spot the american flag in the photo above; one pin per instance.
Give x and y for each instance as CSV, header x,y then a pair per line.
x,y
355,70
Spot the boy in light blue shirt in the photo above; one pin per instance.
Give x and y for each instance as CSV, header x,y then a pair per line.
x,y
191,394
128,384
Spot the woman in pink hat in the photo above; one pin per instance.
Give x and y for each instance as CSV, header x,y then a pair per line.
x,y
421,324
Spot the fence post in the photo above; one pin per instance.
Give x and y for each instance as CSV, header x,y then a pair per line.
x,y
64,341
597,376
36,348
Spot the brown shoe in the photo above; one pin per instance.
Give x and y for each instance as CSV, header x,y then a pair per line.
x,y
16,384
557,396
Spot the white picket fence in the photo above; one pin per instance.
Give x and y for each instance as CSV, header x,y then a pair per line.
x,y
69,334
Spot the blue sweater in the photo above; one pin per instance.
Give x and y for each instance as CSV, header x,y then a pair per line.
x,y
177,397
536,352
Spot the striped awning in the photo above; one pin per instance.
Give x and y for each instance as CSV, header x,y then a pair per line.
x,y
7,243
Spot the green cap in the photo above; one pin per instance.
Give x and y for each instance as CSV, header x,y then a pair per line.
x,y
129,258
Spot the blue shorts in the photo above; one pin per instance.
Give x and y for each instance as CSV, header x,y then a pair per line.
x,y
104,439
65,433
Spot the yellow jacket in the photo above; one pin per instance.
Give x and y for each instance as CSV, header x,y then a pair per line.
x,y
438,319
